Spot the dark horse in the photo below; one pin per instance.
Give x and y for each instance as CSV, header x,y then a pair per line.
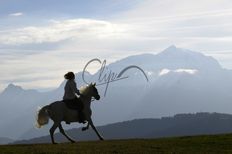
x,y
58,112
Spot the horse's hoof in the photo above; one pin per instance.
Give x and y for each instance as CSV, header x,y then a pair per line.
x,y
102,139
54,143
73,141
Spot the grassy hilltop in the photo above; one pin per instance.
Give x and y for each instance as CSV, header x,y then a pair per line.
x,y
189,144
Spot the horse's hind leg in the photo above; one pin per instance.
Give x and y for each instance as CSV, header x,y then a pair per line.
x,y
63,132
52,130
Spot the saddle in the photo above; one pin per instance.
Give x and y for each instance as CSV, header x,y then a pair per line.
x,y
74,104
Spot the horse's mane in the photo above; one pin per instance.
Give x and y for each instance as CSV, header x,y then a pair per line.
x,y
84,89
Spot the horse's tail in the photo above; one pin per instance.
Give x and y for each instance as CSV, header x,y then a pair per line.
x,y
42,116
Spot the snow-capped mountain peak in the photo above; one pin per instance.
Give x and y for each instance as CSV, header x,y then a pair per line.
x,y
176,58
186,71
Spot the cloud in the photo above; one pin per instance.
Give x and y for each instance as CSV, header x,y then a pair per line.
x,y
204,28
61,30
16,14
77,41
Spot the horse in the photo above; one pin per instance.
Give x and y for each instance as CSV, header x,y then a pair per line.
x,y
58,112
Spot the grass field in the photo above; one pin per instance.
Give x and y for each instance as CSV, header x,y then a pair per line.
x,y
217,144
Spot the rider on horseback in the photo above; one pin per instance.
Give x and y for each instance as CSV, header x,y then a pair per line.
x,y
70,95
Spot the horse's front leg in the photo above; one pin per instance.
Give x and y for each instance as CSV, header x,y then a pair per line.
x,y
94,128
85,128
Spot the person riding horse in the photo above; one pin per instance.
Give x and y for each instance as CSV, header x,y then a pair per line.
x,y
70,98
58,111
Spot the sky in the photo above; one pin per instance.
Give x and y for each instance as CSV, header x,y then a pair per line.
x,y
41,40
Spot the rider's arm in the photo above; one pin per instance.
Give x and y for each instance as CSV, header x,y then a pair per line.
x,y
74,87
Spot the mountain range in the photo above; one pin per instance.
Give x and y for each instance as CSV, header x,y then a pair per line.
x,y
179,81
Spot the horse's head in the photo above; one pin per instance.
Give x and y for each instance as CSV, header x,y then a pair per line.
x,y
94,91
90,91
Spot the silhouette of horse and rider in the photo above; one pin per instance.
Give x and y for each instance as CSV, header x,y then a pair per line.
x,y
71,108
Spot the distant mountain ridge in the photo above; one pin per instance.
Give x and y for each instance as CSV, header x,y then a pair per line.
x,y
4,140
172,58
180,81
179,125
